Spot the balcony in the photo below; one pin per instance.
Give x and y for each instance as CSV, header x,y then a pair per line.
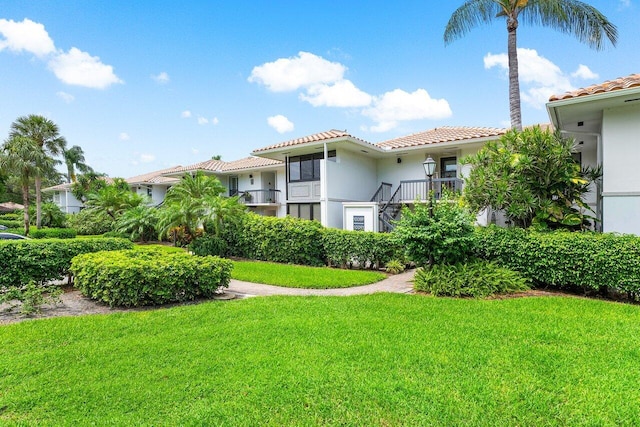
x,y
411,190
259,197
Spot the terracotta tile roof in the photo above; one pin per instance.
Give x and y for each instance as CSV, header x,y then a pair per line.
x,y
67,185
250,163
58,187
441,134
154,177
316,137
208,165
609,86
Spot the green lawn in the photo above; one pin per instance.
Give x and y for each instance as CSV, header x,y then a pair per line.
x,y
376,360
299,276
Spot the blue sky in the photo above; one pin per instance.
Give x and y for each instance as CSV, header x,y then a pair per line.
x,y
142,85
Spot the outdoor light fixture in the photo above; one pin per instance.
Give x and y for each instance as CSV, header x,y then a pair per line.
x,y
429,169
429,166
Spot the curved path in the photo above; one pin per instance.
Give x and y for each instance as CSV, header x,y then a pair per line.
x,y
399,283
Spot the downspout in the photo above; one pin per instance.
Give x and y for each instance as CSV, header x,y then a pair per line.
x,y
324,205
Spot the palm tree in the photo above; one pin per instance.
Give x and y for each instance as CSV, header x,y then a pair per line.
x,y
114,199
567,16
46,137
195,200
21,157
74,159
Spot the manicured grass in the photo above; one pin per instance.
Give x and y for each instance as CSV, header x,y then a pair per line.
x,y
299,276
375,360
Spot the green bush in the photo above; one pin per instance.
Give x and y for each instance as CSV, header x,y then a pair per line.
x,y
148,277
53,233
474,279
209,245
12,216
394,266
31,296
88,222
366,249
588,260
22,261
10,223
287,240
447,236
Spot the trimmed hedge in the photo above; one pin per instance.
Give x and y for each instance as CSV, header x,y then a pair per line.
x,y
42,260
11,223
587,260
148,277
53,233
286,240
366,249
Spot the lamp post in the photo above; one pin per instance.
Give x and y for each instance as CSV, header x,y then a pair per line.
x,y
429,169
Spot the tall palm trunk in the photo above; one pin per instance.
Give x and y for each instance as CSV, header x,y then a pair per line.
x,y
514,83
25,203
38,202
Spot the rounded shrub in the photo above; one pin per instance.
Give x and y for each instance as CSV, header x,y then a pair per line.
x,y
133,278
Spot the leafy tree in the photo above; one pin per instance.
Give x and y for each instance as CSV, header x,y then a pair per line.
x,y
74,158
45,136
446,237
197,201
532,177
114,199
567,16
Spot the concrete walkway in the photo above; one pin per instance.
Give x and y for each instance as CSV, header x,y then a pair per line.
x,y
399,283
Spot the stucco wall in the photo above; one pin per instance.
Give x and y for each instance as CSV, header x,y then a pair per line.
x,y
351,177
621,174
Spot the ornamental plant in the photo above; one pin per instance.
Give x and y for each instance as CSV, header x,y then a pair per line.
x,y
447,236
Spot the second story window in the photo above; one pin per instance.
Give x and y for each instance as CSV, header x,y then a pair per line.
x,y
307,167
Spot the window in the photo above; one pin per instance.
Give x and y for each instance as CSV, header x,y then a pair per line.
x,y
448,167
304,210
306,168
149,190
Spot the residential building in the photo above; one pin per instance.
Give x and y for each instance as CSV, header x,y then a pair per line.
x,y
346,182
604,119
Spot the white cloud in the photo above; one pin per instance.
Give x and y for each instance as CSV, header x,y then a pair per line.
x,y
202,120
215,121
304,70
398,105
66,97
124,136
322,84
539,77
625,4
147,158
583,72
195,151
162,78
185,114
340,94
79,68
26,36
280,123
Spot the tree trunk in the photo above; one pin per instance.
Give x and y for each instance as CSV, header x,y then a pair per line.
x,y
38,202
514,84
25,203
